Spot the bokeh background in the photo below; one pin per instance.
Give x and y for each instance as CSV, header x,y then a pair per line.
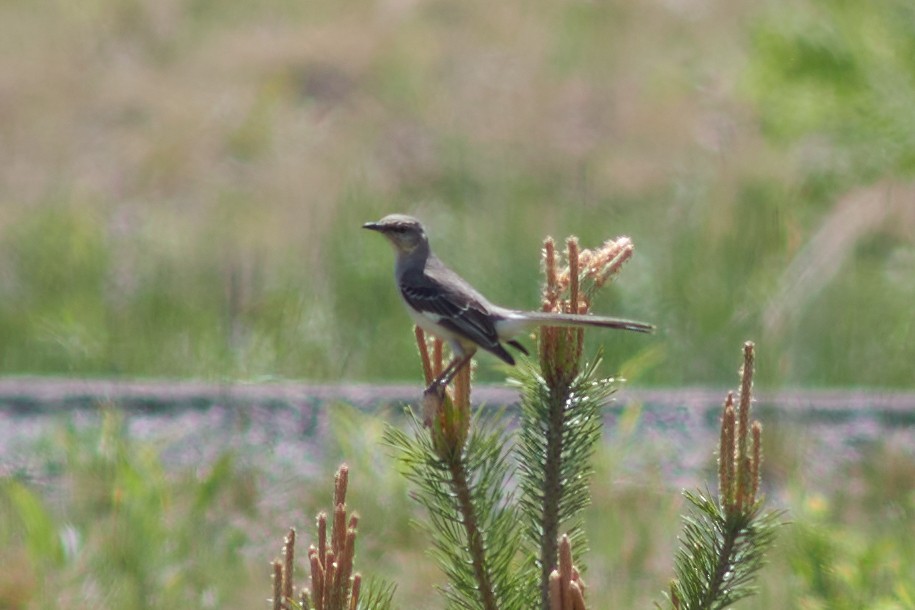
x,y
182,184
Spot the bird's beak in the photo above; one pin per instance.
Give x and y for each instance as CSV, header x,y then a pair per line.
x,y
372,226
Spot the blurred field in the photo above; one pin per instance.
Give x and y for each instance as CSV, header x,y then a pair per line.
x,y
182,182
103,511
181,188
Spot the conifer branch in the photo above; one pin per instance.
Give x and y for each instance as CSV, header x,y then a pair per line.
x,y
460,473
471,520
333,584
552,489
554,461
561,406
724,542
474,538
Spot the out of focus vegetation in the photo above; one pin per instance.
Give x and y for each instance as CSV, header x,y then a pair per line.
x,y
120,529
182,182
181,188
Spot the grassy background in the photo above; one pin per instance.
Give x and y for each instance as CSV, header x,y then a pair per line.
x,y
181,188
107,522
182,182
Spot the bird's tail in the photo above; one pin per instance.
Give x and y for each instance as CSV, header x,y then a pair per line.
x,y
520,321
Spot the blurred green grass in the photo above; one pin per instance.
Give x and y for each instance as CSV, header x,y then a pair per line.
x,y
105,523
182,183
181,189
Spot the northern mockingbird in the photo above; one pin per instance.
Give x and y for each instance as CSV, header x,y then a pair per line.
x,y
442,303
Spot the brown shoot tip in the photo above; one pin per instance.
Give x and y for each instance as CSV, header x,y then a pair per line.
x,y
566,589
572,255
289,564
726,451
341,482
278,585
357,588
551,290
424,354
555,591
756,461
322,537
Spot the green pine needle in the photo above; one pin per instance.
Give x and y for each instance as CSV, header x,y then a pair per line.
x,y
720,555
377,594
560,430
484,463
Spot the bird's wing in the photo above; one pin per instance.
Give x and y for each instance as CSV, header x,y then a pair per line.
x,y
452,306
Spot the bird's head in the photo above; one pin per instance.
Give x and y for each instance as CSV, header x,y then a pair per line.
x,y
404,232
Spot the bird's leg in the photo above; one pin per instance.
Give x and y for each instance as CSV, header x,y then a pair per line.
x,y
439,384
455,367
435,393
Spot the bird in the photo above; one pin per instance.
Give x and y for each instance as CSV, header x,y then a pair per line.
x,y
444,304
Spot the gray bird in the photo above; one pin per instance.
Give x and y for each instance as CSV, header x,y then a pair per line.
x,y
442,303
